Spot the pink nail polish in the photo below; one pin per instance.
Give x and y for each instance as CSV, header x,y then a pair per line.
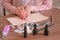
x,y
6,30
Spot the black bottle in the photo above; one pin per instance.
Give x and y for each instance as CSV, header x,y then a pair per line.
x,y
46,31
25,31
35,31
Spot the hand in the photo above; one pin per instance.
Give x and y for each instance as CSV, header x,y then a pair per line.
x,y
21,13
28,11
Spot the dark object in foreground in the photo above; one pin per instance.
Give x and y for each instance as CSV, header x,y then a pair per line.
x,y
46,31
25,31
35,31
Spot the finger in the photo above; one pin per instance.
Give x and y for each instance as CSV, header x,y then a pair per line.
x,y
22,12
28,12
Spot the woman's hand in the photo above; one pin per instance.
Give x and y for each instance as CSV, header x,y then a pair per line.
x,y
23,13
28,11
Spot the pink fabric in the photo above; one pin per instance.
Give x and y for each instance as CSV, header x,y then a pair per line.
x,y
35,5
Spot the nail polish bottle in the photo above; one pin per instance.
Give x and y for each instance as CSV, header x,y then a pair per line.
x,y
46,31
35,31
6,31
25,31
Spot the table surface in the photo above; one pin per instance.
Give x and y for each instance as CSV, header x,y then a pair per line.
x,y
54,31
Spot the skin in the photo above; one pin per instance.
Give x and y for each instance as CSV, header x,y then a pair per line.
x,y
25,12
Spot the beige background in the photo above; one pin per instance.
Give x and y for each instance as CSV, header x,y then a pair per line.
x,y
56,3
